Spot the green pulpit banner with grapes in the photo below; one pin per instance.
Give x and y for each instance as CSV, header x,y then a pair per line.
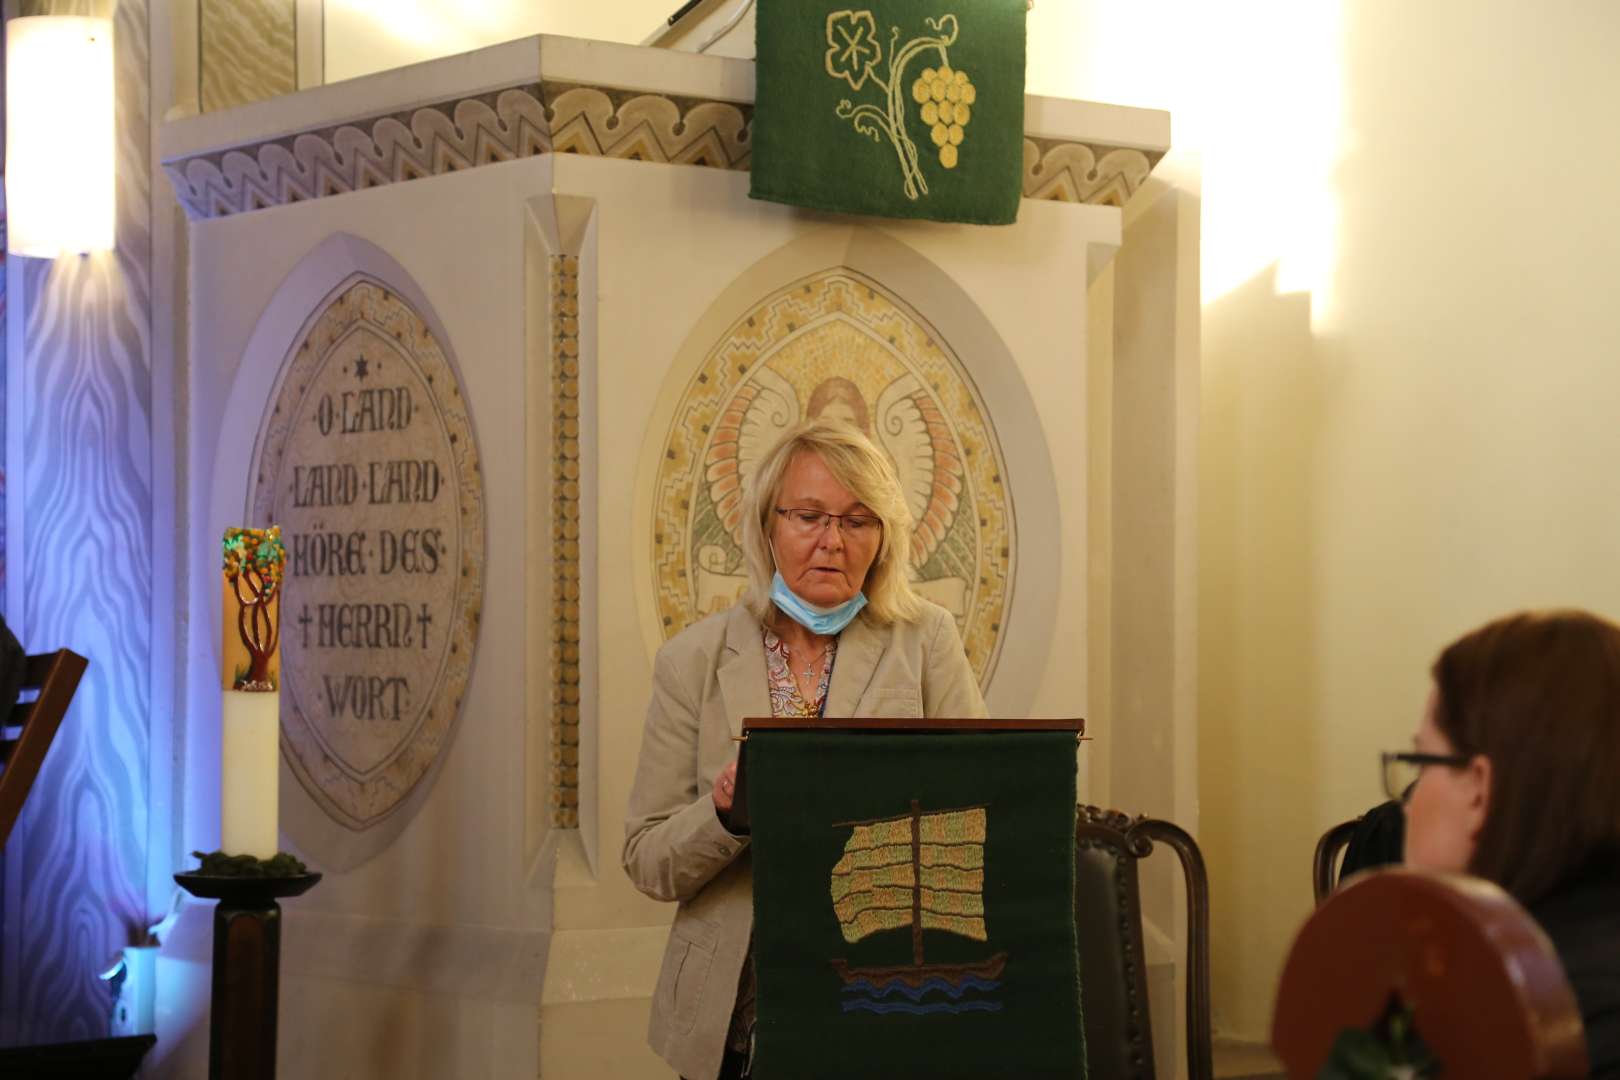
x,y
899,108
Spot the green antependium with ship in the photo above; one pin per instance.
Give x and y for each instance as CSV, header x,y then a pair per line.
x,y
913,904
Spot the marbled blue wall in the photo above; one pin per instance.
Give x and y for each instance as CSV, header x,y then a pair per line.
x,y
3,244
79,398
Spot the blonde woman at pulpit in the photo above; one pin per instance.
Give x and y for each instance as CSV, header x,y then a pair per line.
x,y
829,626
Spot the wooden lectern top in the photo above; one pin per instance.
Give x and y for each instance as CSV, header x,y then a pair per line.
x,y
1076,724
737,820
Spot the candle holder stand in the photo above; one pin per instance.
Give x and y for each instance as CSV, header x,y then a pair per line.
x,y
247,969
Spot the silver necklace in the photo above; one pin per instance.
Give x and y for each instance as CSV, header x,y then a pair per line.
x,y
811,666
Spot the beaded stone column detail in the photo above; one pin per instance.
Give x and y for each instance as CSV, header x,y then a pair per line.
x,y
565,518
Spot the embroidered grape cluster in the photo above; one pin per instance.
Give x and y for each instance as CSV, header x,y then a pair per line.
x,y
947,98
944,95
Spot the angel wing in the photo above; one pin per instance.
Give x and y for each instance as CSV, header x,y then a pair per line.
x,y
904,435
919,442
747,427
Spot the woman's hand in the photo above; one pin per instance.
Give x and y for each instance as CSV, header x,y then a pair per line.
x,y
725,785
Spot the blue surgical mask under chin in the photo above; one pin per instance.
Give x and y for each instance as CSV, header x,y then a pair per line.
x,y
817,620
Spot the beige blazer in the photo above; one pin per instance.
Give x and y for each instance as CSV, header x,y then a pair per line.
x,y
705,681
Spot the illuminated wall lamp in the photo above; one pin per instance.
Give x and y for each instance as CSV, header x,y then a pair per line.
x,y
60,140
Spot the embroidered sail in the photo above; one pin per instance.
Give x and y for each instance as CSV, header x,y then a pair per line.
x,y
923,871
875,886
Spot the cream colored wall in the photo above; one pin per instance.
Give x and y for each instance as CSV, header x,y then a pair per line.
x,y
363,36
1434,452
1409,259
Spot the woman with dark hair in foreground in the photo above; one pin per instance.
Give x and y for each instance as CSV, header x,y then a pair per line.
x,y
1517,781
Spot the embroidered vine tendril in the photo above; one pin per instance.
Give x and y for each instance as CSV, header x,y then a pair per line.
x,y
945,96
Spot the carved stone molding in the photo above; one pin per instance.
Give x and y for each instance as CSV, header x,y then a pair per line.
x,y
441,138
545,117
604,122
1083,173
565,552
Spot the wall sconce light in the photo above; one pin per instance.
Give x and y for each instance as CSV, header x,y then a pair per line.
x,y
60,140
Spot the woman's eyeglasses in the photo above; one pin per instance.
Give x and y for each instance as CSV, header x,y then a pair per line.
x,y
809,522
1401,771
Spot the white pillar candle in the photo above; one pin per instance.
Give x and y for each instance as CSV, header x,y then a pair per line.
x,y
250,741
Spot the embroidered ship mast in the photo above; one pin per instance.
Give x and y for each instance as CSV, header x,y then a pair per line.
x,y
919,870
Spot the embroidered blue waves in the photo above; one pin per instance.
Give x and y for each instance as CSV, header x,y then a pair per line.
x,y
966,983
918,1009
872,997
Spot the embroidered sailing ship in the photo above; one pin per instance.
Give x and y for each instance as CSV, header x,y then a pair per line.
x,y
923,871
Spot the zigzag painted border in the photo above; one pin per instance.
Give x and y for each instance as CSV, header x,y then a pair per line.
x,y
1077,172
444,137
602,121
539,118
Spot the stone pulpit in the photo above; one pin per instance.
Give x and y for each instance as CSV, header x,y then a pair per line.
x,y
496,340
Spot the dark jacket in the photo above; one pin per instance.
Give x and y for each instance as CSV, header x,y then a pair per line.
x,y
1378,839
1583,920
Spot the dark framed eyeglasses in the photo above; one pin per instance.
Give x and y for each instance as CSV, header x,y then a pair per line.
x,y
1401,770
808,521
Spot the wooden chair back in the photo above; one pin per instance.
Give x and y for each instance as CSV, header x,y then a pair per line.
x,y
1329,849
27,732
1113,960
1453,957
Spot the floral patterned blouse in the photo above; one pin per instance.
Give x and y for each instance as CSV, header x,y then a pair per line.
x,y
786,700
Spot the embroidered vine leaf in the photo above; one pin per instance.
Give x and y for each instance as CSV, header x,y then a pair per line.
x,y
853,49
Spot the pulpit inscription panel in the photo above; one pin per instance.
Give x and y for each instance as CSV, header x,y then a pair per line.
x,y
367,461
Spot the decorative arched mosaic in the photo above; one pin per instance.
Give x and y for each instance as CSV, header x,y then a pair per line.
x,y
836,343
